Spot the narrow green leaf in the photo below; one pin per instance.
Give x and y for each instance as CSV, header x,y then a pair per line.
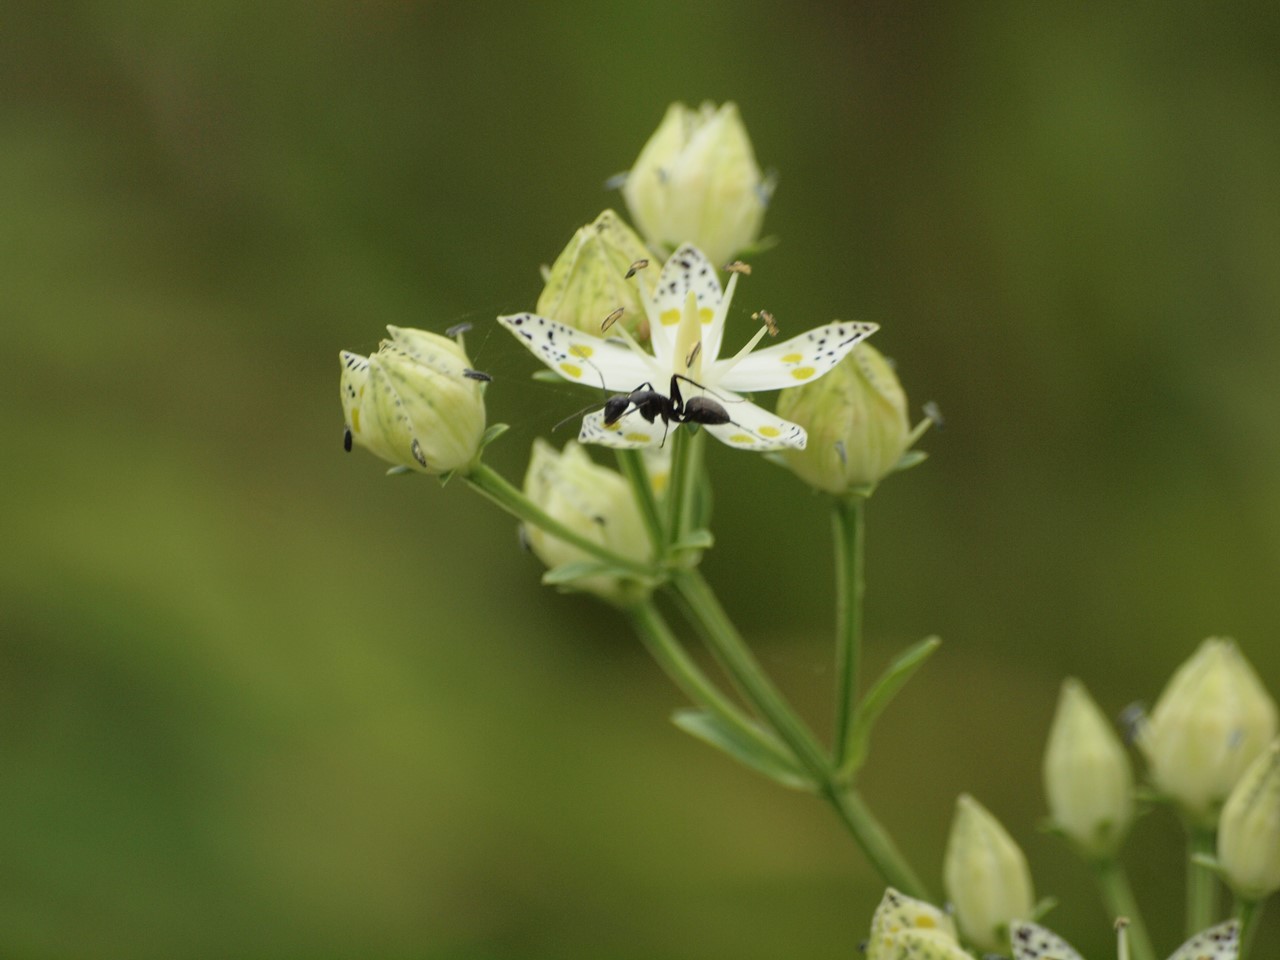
x,y
751,747
880,695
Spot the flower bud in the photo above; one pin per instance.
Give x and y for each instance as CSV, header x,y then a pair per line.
x,y
412,404
593,501
900,920
986,876
589,280
856,418
1211,721
1087,777
696,181
1249,830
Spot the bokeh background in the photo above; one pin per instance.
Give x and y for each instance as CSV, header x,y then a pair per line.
x,y
258,700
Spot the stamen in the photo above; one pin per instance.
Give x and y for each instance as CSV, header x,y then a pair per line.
x,y
725,366
693,355
611,319
738,267
636,268
767,318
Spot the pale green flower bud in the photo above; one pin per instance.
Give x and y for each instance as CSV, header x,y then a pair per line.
x,y
1211,721
412,403
595,502
1087,777
856,418
596,274
696,181
1249,830
900,920
986,876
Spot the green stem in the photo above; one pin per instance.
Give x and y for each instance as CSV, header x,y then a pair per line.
x,y
631,463
874,840
1202,885
663,646
1117,894
730,649
1248,912
703,607
849,527
686,468
492,485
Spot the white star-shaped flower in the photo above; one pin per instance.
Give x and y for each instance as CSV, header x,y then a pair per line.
x,y
686,315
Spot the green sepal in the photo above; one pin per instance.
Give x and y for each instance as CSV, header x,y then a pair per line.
x,y
494,432
1042,908
912,458
579,569
695,540
879,696
752,748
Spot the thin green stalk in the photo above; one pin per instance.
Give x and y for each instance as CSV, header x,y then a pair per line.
x,y
1202,884
686,469
631,463
874,840
703,607
728,646
1117,894
663,646
849,527
1248,912
492,485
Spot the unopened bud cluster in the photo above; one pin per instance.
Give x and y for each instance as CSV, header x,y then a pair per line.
x,y
413,402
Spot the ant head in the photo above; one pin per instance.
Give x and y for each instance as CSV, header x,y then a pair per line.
x,y
615,407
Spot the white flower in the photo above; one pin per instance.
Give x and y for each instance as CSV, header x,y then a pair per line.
x,y
686,327
1033,942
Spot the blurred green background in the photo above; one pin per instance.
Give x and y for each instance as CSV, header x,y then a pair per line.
x,y
257,700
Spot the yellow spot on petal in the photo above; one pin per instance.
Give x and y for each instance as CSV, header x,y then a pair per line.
x,y
637,437
793,358
570,370
355,420
615,426
579,350
802,373
669,318
770,432
925,920
741,438
705,314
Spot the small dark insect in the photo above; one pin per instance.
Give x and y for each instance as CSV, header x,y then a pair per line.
x,y
458,328
651,405
346,439
636,268
477,375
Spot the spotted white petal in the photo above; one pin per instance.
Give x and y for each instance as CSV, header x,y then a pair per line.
x,y
1033,942
578,356
629,432
753,428
898,914
798,360
1217,943
924,945
686,270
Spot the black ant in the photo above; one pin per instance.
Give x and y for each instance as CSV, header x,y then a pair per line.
x,y
651,405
